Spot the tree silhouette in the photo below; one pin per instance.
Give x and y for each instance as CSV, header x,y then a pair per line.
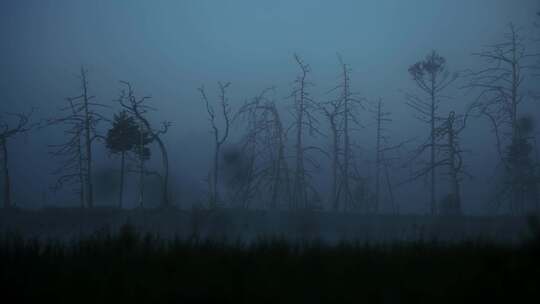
x,y
451,129
343,116
138,108
8,132
264,143
383,162
125,136
304,121
82,119
522,177
332,111
219,138
431,78
348,117
251,150
275,136
501,90
72,168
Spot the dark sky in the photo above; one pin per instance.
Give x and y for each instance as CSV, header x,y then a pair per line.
x,y
169,48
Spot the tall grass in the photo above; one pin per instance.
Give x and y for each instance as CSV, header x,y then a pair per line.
x,y
129,267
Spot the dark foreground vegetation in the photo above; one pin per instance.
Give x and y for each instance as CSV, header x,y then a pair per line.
x,y
130,267
248,225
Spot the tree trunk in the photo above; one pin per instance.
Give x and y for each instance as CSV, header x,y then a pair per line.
x,y
122,166
281,176
249,181
298,195
277,178
7,182
516,191
164,160
395,207
165,182
433,200
277,171
349,201
141,165
456,206
215,193
378,159
88,143
335,164
280,164
81,169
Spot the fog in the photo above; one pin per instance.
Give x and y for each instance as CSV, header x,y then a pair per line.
x,y
169,49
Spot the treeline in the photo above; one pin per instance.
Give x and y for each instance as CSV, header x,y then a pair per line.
x,y
275,162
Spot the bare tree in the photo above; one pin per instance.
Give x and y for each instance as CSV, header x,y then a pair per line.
x,y
525,180
72,169
275,169
350,116
518,186
304,120
250,147
85,107
453,159
333,111
384,161
264,143
275,142
431,78
501,90
381,163
138,108
8,132
219,138
379,155
82,118
501,85
343,118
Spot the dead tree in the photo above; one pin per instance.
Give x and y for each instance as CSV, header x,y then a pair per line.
x,y
518,186
343,118
394,206
453,160
275,168
82,118
219,138
84,105
8,132
501,89
431,78
332,112
264,143
381,163
379,154
247,175
72,169
384,161
525,178
138,108
304,120
349,117
279,181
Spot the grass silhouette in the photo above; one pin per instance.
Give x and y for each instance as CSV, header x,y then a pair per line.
x,y
130,267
